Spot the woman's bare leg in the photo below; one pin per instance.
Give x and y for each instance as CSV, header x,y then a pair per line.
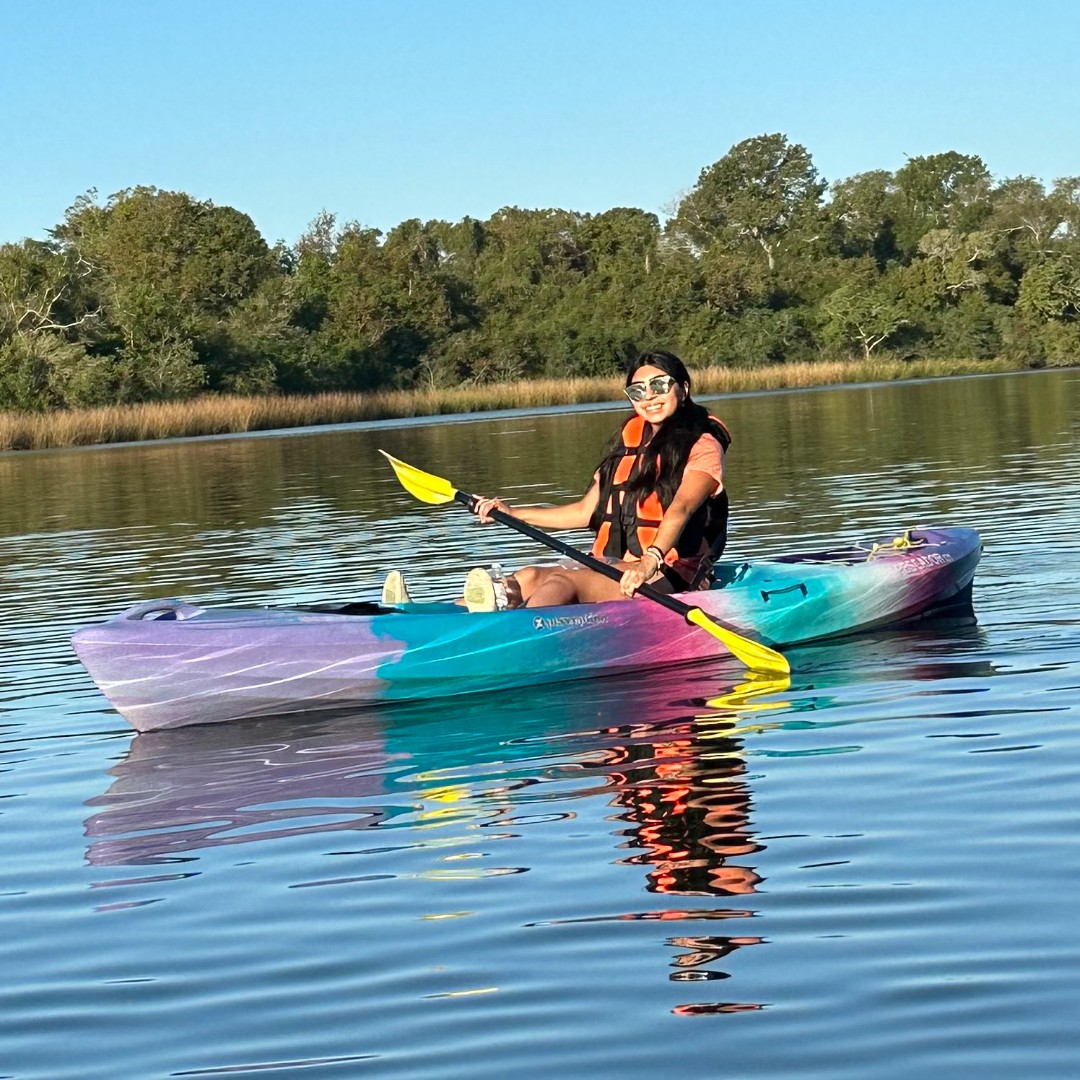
x,y
549,586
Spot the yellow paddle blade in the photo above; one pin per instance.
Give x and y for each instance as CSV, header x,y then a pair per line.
x,y
755,656
421,485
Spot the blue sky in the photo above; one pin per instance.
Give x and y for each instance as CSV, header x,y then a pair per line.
x,y
382,110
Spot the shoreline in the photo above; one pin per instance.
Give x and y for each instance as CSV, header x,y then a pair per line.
x,y
235,417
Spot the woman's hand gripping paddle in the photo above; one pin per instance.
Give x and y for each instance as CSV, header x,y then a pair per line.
x,y
435,490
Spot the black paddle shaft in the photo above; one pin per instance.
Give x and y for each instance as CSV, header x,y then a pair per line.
x,y
582,557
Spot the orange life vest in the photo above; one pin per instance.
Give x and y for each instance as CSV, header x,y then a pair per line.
x,y
627,526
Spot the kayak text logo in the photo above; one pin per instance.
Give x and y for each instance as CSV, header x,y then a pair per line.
x,y
560,622
917,564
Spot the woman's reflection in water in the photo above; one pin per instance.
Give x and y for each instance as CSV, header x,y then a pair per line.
x,y
682,792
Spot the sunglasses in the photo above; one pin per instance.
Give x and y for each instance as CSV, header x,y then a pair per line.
x,y
658,385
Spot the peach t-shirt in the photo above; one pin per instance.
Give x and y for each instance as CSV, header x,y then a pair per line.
x,y
706,456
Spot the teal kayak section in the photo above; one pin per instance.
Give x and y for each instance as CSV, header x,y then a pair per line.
x,y
783,602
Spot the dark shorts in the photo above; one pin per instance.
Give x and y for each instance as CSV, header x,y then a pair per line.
x,y
670,582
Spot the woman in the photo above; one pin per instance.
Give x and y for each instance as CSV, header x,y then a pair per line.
x,y
656,503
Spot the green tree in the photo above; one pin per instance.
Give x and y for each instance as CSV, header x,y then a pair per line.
x,y
761,193
1065,199
939,191
1045,327
40,289
259,348
168,270
154,294
526,265
43,309
972,327
860,214
1022,210
1050,291
372,306
864,313
958,259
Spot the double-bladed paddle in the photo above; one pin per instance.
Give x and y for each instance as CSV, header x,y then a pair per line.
x,y
435,490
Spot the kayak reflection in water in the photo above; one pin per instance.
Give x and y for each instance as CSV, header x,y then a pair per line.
x,y
657,503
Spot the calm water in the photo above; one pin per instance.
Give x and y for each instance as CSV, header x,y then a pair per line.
x,y
870,873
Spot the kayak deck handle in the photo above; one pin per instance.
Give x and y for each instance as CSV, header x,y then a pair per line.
x,y
768,594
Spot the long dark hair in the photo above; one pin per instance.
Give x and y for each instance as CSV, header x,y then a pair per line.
x,y
664,457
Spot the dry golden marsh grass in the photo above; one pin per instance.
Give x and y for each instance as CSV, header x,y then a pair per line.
x,y
216,415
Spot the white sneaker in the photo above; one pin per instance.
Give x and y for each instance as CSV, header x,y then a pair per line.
x,y
394,591
484,592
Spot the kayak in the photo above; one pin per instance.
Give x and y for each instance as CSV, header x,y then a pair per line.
x,y
170,663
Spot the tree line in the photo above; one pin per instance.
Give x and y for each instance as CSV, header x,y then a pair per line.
x,y
154,295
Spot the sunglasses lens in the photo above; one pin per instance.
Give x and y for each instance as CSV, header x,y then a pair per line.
x,y
658,385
